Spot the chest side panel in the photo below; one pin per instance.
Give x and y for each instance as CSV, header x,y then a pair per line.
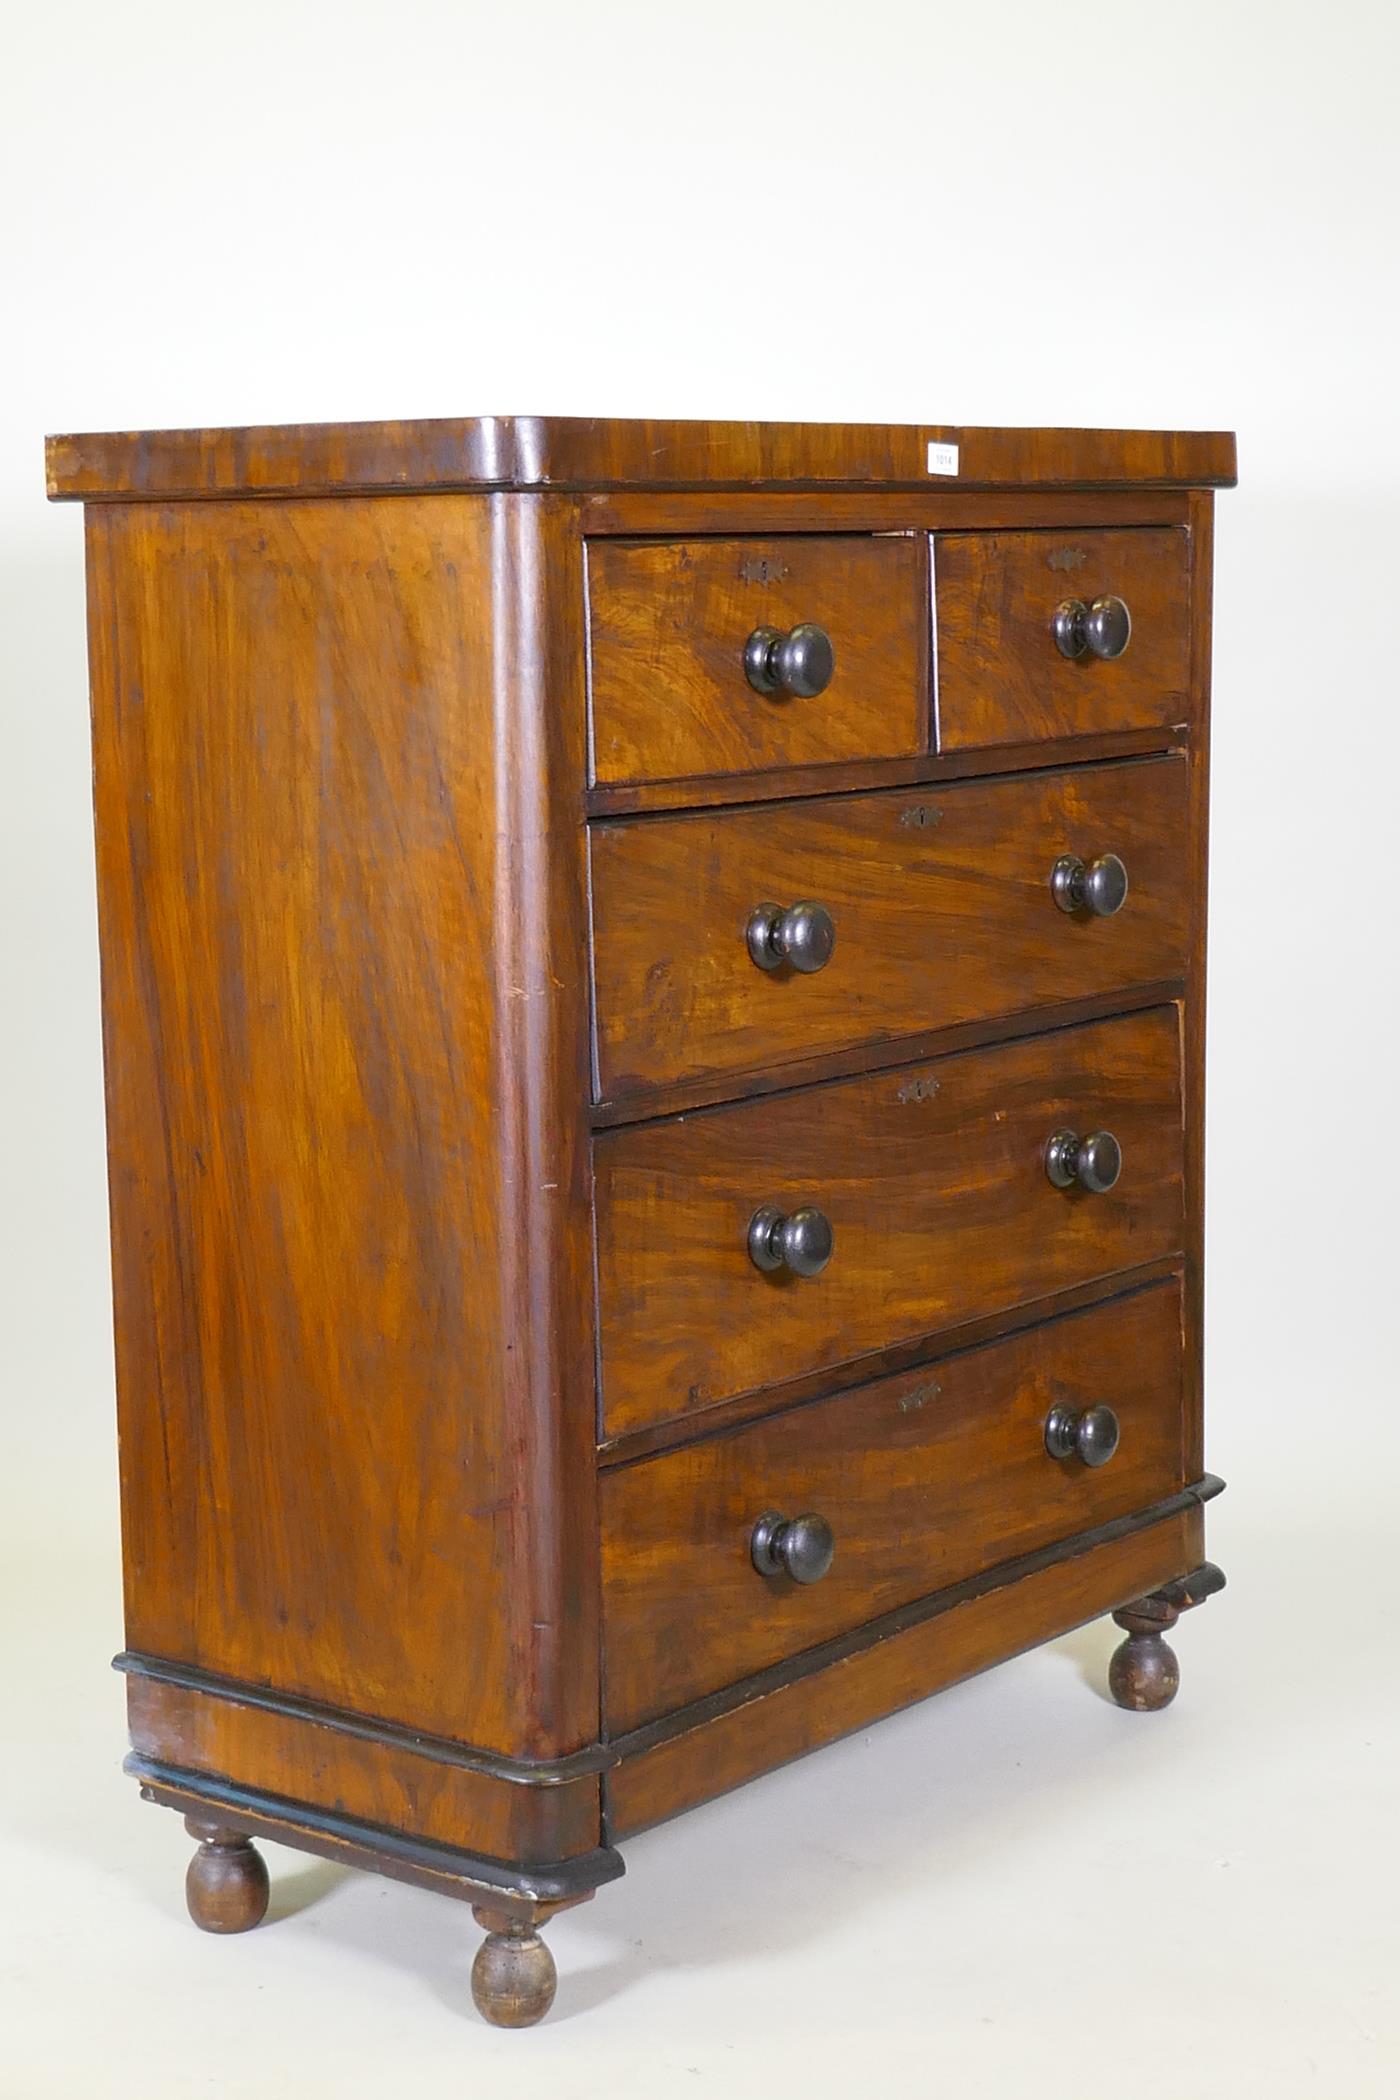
x,y
324,814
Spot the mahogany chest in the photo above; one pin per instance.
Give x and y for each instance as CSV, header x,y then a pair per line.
x,y
653,986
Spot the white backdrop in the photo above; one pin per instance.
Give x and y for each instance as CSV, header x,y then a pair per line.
x,y
997,213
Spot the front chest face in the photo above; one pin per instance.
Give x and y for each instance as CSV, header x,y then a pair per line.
x,y
896,879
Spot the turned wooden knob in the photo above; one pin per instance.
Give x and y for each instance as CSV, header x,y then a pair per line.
x,y
1098,886
1090,1435
802,1547
800,1241
1093,1163
802,936
799,664
1102,629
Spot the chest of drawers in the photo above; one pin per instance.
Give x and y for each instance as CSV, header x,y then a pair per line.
x,y
653,1004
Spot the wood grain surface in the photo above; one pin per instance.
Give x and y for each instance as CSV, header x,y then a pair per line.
x,y
794,783
786,1720
667,624
939,505
338,758
942,905
581,452
432,804
1001,677
934,1181
392,1787
924,1479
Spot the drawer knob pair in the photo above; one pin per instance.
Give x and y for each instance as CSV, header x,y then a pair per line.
x,y
801,1547
1102,629
799,1241
1093,1163
797,665
1098,886
802,936
1089,1434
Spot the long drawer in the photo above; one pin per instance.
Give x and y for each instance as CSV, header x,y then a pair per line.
x,y
922,1480
941,903
933,1181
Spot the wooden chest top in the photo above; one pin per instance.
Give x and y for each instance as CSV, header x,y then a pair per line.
x,y
585,452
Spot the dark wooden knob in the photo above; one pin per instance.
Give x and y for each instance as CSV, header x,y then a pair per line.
x,y
800,1240
1102,629
802,1547
1090,1435
1098,886
1094,1162
803,936
799,664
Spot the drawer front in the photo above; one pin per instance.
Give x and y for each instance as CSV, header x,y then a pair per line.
x,y
934,1182
1002,677
668,626
941,901
924,1479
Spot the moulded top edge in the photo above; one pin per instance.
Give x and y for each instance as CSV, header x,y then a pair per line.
x,y
583,453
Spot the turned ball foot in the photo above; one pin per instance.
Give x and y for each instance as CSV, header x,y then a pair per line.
x,y
513,1976
1143,1674
226,1884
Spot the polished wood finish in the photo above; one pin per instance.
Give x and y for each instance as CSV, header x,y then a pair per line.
x,y
420,1862
667,625
344,994
942,906
924,1479
515,1814
939,505
1001,678
813,1662
652,1437
785,1719
434,800
934,1181
912,1050
577,452
788,783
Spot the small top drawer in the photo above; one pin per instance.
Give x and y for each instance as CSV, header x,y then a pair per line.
x,y
1003,674
679,685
